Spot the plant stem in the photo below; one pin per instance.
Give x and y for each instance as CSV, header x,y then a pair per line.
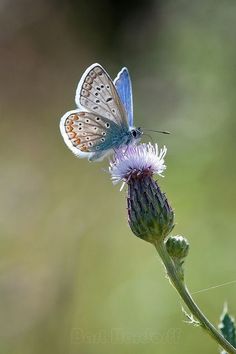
x,y
178,283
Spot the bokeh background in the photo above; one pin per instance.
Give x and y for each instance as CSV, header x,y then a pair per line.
x,y
73,277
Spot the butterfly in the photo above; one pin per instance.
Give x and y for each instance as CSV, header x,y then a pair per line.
x,y
103,121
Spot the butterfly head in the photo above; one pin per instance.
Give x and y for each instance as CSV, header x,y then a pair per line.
x,y
136,133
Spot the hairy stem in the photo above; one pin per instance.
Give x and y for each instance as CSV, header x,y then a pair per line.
x,y
177,281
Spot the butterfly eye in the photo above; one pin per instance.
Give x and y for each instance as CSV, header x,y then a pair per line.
x,y
134,133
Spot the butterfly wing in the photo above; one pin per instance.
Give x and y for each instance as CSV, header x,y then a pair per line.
x,y
97,94
88,134
124,88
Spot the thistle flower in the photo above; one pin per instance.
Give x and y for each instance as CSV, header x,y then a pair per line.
x,y
149,213
137,160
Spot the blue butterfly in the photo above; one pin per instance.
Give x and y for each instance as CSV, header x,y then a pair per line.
x,y
103,121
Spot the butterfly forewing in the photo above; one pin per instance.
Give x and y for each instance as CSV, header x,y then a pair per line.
x,y
88,132
124,89
97,93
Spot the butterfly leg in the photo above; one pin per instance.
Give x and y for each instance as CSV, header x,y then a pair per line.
x,y
126,149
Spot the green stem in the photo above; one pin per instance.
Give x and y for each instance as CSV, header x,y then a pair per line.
x,y
181,288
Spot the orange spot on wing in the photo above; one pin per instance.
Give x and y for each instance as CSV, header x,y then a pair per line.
x,y
74,142
71,135
84,148
68,128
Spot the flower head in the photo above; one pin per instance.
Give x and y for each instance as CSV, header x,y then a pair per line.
x,y
137,160
149,213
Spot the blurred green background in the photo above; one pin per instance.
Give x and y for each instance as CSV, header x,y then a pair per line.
x,y
73,277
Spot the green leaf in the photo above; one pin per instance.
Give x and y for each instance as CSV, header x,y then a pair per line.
x,y
227,327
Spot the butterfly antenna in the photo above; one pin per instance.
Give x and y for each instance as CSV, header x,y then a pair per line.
x,y
157,131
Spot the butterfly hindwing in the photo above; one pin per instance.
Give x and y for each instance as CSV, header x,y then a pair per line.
x,y
124,88
97,94
87,132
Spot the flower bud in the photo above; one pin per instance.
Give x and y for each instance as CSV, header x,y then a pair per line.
x,y
177,247
150,215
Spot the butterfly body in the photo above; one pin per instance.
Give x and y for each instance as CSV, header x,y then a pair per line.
x,y
104,119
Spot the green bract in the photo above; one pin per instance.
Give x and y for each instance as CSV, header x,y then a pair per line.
x,y
150,215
